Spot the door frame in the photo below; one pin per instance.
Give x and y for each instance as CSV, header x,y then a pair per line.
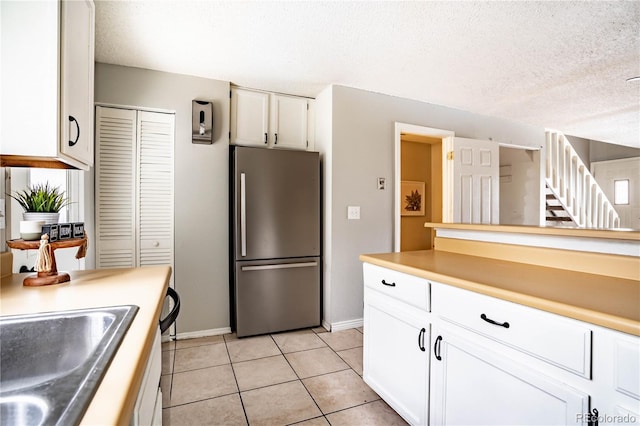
x,y
399,129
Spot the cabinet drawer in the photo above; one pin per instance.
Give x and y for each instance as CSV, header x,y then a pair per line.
x,y
552,338
404,287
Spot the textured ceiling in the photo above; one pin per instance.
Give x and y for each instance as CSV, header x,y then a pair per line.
x,y
559,65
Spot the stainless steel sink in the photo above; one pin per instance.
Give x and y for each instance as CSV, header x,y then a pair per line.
x,y
51,363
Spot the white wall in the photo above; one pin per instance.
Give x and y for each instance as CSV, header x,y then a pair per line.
x,y
520,187
201,185
361,150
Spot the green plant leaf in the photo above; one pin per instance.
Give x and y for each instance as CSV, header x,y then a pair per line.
x,y
41,198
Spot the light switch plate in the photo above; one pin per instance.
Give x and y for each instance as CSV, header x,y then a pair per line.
x,y
353,212
381,183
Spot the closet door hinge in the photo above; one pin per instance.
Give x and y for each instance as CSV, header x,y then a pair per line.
x,y
450,155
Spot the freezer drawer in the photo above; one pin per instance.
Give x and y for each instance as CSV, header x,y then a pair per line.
x,y
274,296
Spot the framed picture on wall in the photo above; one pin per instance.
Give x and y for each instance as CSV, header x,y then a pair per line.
x,y
412,198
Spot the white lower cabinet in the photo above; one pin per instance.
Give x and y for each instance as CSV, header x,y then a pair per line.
x,y
148,408
441,355
396,341
473,384
396,355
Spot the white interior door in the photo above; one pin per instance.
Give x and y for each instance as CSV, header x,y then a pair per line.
x,y
471,181
607,173
155,188
115,188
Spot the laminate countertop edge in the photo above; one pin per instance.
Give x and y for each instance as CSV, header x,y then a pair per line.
x,y
145,287
548,289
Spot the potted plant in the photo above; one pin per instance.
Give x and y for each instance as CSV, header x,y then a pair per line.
x,y
41,202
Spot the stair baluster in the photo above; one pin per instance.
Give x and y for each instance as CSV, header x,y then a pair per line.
x,y
571,183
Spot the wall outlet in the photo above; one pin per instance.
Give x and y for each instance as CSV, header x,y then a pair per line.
x,y
353,212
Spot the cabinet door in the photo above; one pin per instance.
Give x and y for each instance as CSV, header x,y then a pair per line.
x,y
146,406
289,121
249,117
29,79
472,384
76,127
396,360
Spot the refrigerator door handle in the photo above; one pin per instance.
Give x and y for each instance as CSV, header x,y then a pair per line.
x,y
279,266
243,216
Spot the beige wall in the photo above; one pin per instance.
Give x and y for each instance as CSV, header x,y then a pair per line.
x,y
201,185
416,166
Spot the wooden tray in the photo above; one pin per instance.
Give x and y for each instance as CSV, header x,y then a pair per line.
x,y
52,277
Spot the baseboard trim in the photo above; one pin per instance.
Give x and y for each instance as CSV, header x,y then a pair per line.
x,y
203,333
345,325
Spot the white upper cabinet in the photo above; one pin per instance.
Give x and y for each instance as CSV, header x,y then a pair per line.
x,y
249,117
77,63
289,121
270,120
47,81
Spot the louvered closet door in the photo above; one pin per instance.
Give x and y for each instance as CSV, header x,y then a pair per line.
x,y
115,188
155,191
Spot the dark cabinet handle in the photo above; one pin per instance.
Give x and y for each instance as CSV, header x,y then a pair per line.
x,y
592,418
490,321
421,339
276,141
72,119
436,348
388,284
265,138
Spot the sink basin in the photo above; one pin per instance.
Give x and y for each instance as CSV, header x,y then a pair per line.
x,y
51,363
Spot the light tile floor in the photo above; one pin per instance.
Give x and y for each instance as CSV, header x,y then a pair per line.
x,y
307,377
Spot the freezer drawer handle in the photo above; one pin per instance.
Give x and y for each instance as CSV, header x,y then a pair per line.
x,y
243,216
279,266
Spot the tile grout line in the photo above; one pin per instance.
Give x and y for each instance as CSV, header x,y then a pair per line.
x,y
300,380
281,353
233,371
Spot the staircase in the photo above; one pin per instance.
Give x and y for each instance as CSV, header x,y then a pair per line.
x,y
573,197
555,212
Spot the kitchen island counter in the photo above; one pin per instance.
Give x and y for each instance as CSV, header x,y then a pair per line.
x,y
602,300
114,400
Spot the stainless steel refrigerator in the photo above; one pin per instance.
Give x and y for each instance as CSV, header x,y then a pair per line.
x,y
275,270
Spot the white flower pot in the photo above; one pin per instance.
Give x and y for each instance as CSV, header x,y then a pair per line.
x,y
49,218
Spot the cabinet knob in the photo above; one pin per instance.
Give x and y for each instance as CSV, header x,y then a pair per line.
x,y
156,244
72,119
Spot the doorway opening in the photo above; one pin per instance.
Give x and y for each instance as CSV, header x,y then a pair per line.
x,y
418,164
